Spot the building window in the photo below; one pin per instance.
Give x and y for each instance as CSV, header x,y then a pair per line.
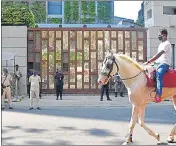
x,y
149,14
54,8
168,10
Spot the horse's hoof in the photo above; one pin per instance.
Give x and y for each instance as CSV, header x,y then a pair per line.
x,y
125,143
170,139
158,136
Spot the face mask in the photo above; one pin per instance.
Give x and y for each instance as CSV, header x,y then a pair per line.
x,y
34,73
160,37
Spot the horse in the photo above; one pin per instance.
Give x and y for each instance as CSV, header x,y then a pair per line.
x,y
133,76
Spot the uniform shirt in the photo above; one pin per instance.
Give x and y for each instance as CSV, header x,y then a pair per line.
x,y
18,73
117,78
34,80
7,80
166,57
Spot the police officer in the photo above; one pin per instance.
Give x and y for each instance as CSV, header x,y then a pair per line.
x,y
118,85
18,75
6,82
105,88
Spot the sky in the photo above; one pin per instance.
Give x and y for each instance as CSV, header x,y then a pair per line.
x,y
127,9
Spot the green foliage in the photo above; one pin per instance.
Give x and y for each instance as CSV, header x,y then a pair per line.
x,y
75,11
54,20
17,14
38,8
104,12
67,11
88,12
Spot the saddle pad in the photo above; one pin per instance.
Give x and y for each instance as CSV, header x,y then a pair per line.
x,y
169,80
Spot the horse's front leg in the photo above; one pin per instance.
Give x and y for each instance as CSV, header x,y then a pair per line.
x,y
134,118
141,122
173,132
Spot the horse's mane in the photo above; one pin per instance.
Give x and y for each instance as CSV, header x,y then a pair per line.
x,y
130,60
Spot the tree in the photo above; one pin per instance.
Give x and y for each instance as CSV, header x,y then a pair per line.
x,y
38,8
17,14
104,12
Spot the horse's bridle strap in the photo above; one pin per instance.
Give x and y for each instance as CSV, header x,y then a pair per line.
x,y
109,75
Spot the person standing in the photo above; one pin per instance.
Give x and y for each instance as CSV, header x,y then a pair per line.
x,y
118,85
6,80
18,75
59,83
29,73
105,88
34,81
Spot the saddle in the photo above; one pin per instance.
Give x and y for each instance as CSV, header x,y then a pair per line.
x,y
169,79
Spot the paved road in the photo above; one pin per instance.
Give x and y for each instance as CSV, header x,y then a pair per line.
x,y
82,120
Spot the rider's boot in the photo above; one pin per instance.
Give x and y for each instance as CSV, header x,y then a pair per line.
x,y
157,98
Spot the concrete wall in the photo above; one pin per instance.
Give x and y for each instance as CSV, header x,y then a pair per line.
x,y
159,21
14,39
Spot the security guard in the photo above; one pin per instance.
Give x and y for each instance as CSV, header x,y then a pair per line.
x,y
118,85
35,81
18,75
6,82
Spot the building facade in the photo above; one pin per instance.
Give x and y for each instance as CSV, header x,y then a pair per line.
x,y
79,52
141,15
80,11
159,15
14,40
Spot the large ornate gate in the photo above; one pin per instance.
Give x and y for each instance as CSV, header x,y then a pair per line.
x,y
79,52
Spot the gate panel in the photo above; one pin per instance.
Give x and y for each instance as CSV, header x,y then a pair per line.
x,y
79,52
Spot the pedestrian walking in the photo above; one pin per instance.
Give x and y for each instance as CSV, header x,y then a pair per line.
x,y
59,83
119,86
106,89
34,81
5,87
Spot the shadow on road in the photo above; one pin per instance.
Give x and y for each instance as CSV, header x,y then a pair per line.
x,y
154,114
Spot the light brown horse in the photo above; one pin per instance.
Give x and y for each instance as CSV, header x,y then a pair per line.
x,y
134,78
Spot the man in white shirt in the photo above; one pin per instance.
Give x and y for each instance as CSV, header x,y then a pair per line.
x,y
162,60
6,80
35,81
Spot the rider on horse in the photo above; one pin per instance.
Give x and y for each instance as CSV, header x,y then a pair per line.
x,y
162,61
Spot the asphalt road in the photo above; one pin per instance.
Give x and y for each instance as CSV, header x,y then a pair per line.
x,y
82,120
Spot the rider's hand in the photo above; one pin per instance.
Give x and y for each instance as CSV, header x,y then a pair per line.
x,y
145,63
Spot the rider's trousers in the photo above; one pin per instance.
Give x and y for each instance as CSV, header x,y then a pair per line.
x,y
161,70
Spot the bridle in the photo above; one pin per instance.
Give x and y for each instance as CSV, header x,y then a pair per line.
x,y
110,67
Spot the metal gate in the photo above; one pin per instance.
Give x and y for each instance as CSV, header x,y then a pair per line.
x,y
79,52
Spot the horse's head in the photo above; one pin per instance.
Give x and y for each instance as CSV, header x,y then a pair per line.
x,y
109,68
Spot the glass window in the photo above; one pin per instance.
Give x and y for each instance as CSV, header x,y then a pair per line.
x,y
149,14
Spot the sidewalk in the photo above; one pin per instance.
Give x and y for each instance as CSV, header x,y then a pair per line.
x,y
80,101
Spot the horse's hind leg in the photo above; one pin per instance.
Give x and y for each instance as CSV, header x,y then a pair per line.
x,y
173,132
133,121
141,122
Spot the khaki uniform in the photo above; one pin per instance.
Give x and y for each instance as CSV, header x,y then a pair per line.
x,y
7,91
17,87
34,89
